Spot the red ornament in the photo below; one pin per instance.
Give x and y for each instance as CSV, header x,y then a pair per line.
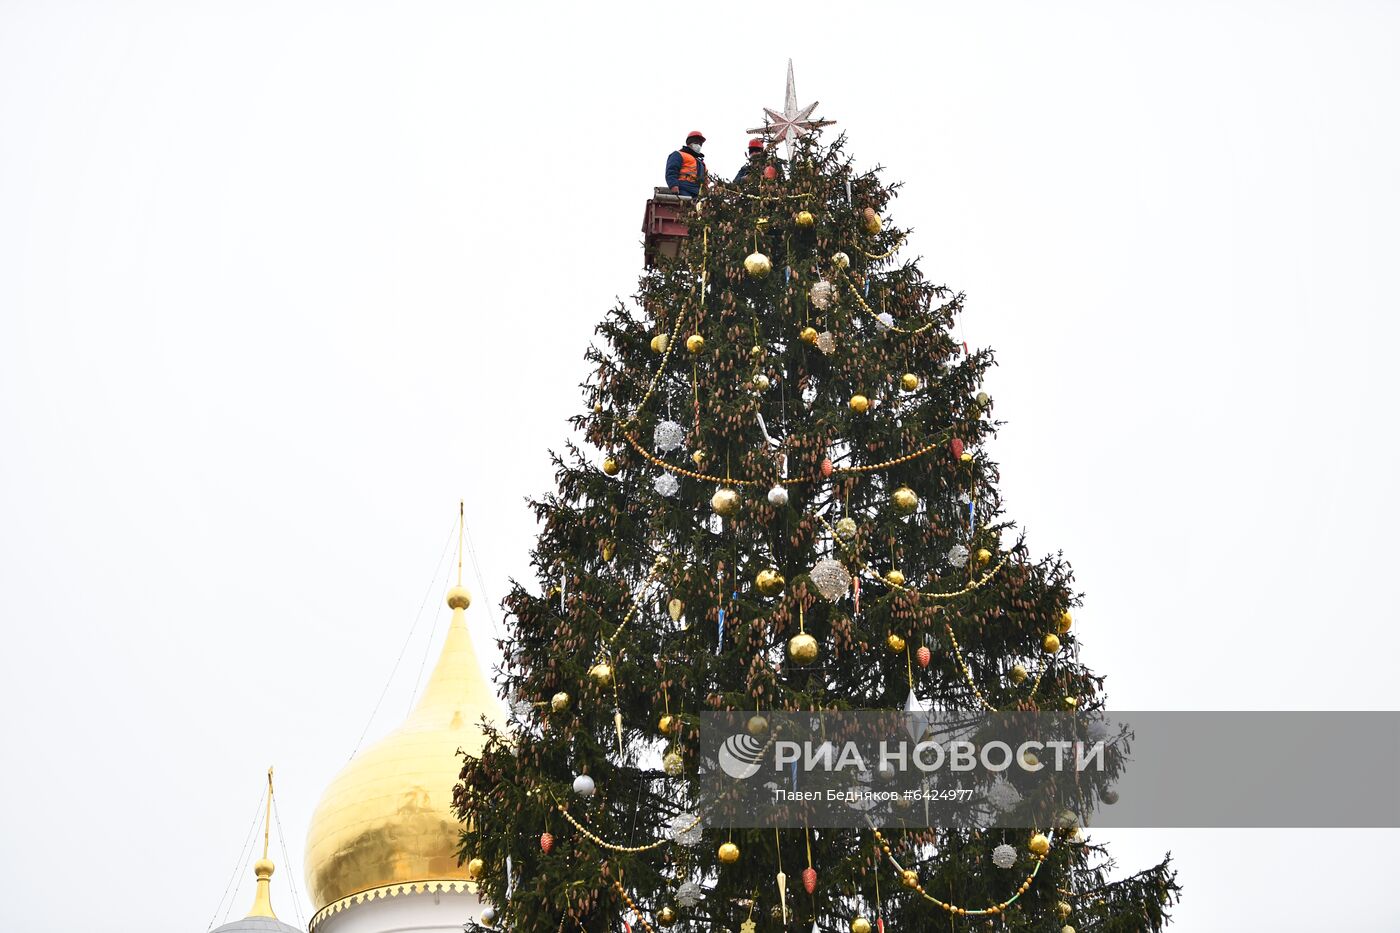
x,y
827,468
924,655
809,879
546,843
957,446
769,172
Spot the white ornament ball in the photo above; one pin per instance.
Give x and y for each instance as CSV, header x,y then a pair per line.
x,y
688,894
1004,856
488,917
668,436
778,496
822,293
1003,795
686,829
957,555
584,786
885,320
831,579
667,485
673,764
826,342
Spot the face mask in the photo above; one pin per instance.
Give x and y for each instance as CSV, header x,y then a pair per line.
x,y
695,144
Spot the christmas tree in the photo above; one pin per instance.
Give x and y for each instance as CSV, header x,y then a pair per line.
x,y
784,502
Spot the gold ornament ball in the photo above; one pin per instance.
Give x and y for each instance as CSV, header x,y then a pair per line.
x,y
905,500
895,642
1029,760
606,549
699,457
841,260
984,556
909,381
983,399
1018,674
860,404
770,582
846,527
610,466
872,221
1066,929
666,917
808,335
725,502
666,724
805,219
695,343
728,853
660,342
895,577
1071,703
1066,621
560,701
802,648
1051,644
601,673
758,265
966,456
757,725
860,925
909,878
1040,844
474,868
1063,910
760,382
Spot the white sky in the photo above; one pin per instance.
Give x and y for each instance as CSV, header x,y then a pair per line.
x,y
279,282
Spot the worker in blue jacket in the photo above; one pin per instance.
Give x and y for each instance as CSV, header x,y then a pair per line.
x,y
685,169
754,165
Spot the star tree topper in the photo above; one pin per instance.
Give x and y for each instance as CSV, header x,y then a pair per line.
x,y
794,121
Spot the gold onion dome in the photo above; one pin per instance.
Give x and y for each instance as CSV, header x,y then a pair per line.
x,y
386,820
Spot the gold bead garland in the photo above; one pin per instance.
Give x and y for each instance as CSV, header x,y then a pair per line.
x,y
888,253
870,311
967,673
617,886
910,878
791,481
874,575
612,846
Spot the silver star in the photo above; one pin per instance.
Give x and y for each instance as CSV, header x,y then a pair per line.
x,y
794,121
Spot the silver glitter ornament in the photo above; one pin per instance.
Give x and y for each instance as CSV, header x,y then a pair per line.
x,y
822,294
826,342
1003,796
957,555
667,485
688,894
1004,856
778,496
831,579
669,435
686,829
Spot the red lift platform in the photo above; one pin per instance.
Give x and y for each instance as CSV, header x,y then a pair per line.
x,y
664,226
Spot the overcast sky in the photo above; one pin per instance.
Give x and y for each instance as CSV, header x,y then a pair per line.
x,y
280,282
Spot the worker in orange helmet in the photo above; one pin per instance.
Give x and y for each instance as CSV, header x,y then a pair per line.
x,y
754,165
685,169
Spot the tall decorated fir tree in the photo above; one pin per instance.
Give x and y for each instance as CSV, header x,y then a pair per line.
x,y
786,505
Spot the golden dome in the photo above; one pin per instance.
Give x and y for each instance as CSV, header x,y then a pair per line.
x,y
387,817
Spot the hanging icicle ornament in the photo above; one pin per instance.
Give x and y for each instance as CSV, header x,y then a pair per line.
x,y
822,294
778,496
668,436
830,578
667,485
957,555
688,894
1004,856
826,342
